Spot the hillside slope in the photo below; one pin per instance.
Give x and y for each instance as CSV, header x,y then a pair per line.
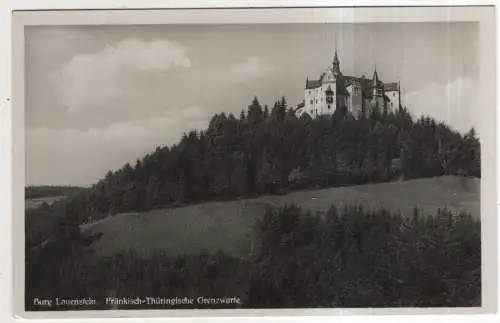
x,y
227,226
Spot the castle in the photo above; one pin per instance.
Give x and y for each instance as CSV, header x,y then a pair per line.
x,y
359,95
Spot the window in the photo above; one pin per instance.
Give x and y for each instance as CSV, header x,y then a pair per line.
x,y
329,96
311,102
393,94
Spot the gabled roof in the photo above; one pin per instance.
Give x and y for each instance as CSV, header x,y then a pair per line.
x,y
312,84
393,86
343,81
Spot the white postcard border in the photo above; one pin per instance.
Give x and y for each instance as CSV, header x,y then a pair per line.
x,y
487,109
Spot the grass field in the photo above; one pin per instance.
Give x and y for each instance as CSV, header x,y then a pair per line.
x,y
227,226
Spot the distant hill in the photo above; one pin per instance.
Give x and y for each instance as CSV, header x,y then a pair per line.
x,y
35,192
34,203
227,226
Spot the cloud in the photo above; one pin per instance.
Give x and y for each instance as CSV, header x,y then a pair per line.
x,y
92,80
52,40
455,103
103,149
191,112
250,69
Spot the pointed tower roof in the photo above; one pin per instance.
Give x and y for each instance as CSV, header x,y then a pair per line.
x,y
375,75
336,63
336,57
375,79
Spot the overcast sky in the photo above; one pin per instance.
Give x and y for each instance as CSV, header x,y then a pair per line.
x,y
100,96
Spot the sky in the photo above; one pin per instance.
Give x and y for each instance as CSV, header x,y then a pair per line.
x,y
98,97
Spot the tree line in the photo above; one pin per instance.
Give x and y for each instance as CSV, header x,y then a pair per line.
x,y
272,151
346,258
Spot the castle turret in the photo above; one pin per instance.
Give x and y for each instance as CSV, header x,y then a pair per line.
x,y
377,86
375,75
377,92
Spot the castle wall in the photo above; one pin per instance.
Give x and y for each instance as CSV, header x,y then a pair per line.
x,y
317,101
355,100
309,101
324,105
367,106
312,102
342,100
393,104
378,103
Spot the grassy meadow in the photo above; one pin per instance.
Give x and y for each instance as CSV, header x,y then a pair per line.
x,y
227,226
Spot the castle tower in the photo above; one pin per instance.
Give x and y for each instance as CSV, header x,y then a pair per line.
x,y
377,92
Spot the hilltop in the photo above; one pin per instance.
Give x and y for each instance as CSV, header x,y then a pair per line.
x,y
275,152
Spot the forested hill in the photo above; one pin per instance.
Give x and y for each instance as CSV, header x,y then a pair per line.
x,y
262,152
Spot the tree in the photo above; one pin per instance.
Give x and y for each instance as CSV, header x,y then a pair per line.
x,y
238,181
340,114
446,154
264,177
255,113
369,167
266,112
470,160
297,178
279,110
153,192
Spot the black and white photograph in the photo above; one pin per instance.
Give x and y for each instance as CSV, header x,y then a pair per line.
x,y
253,165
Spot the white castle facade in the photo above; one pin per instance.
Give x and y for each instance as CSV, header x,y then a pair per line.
x,y
359,95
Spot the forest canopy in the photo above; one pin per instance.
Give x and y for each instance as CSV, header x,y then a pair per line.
x,y
272,151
